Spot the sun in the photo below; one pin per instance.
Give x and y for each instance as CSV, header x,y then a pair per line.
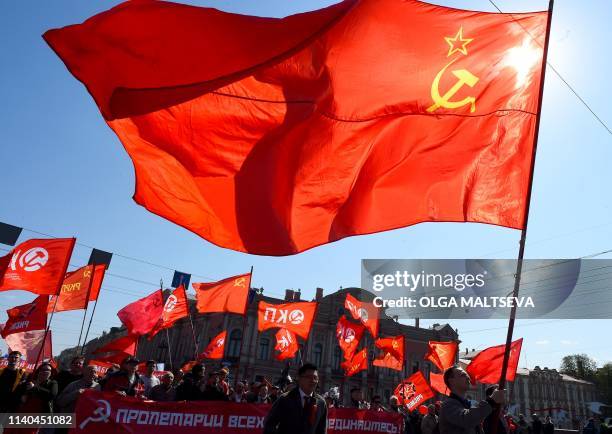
x,y
523,59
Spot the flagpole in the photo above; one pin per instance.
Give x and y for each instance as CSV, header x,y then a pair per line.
x,y
244,324
94,308
169,349
195,342
519,264
91,278
57,294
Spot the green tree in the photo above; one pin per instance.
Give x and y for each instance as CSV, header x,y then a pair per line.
x,y
603,379
579,366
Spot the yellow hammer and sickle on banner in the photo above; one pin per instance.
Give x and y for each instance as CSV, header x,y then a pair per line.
x,y
240,281
464,77
87,273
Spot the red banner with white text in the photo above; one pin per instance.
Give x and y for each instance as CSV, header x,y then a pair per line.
x,y
101,413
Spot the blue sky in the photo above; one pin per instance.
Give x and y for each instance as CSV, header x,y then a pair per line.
x,y
65,173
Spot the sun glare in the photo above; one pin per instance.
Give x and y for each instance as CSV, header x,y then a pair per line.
x,y
523,59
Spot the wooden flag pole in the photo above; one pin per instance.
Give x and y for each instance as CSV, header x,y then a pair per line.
x,y
57,294
91,278
244,324
519,264
93,311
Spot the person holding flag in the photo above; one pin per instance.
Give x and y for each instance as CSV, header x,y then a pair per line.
x,y
456,414
10,378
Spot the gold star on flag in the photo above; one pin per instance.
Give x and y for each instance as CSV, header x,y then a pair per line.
x,y
456,41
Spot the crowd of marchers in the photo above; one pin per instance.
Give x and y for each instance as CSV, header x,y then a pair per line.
x,y
296,406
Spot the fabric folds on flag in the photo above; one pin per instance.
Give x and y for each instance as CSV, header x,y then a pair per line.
x,y
175,308
392,356
142,315
486,367
96,284
216,347
442,354
227,295
349,335
437,383
30,344
312,132
363,311
125,345
37,265
74,293
27,317
358,363
286,344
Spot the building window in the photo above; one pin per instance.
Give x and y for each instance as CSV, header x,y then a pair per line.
x,y
337,357
317,355
235,339
264,349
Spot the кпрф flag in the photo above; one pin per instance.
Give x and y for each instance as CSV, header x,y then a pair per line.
x,y
349,335
175,308
27,317
364,116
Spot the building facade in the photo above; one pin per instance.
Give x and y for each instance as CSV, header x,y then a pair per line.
x,y
249,353
545,392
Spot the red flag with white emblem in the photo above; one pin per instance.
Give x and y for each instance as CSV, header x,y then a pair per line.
x,y
296,317
216,347
363,311
286,344
27,317
37,265
349,335
413,391
141,316
175,308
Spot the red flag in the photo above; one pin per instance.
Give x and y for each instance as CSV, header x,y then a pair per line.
x,y
216,347
349,335
227,295
486,367
356,129
286,344
413,391
126,345
393,353
30,343
363,311
358,363
141,316
116,358
74,290
442,354
437,383
296,317
37,265
175,308
31,316
96,284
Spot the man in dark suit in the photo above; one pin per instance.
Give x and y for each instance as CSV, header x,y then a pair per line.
x,y
300,411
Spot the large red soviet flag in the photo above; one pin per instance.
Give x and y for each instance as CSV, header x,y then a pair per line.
x,y
36,265
318,128
142,315
486,367
227,295
27,317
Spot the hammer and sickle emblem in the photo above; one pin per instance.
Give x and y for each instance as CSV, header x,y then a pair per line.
x,y
464,77
241,281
